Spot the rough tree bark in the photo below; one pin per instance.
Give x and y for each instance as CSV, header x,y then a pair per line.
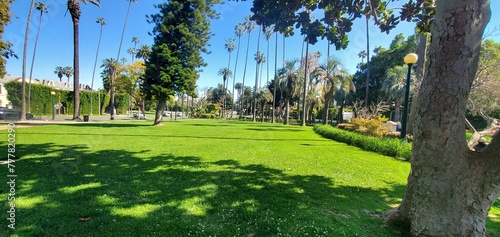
x,y
450,188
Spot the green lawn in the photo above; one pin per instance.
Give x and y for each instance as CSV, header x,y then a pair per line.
x,y
198,178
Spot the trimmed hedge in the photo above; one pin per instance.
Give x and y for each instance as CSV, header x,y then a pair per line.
x,y
385,146
41,100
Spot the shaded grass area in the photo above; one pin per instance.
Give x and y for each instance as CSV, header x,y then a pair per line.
x,y
197,178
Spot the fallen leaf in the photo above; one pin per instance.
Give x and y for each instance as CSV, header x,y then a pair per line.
x,y
84,219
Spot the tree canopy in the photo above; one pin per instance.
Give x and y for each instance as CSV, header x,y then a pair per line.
x,y
338,16
5,47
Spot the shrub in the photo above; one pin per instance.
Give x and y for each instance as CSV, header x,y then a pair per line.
x,y
385,145
371,127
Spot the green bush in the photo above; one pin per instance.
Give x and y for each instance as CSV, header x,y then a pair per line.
x,y
41,100
385,146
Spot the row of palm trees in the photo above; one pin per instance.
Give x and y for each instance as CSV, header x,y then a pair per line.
x,y
332,81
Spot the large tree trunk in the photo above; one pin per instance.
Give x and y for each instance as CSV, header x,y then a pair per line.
x,y
160,107
420,72
450,188
74,9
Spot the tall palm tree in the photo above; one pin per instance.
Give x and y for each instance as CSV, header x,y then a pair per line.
x,y
249,27
132,51
25,52
346,87
239,30
40,6
328,74
74,10
288,80
112,102
393,88
110,66
362,55
59,71
101,22
230,46
273,112
268,32
257,58
225,73
68,72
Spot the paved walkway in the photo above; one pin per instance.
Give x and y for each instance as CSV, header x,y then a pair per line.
x,y
61,119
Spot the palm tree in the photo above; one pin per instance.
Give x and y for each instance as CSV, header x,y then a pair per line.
x,y
112,102
68,72
328,74
143,52
257,58
101,22
249,27
25,52
230,46
59,71
43,9
268,32
288,80
239,31
346,87
110,66
225,73
74,10
393,88
362,55
132,51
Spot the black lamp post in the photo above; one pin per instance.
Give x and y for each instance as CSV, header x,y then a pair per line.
x,y
52,93
410,59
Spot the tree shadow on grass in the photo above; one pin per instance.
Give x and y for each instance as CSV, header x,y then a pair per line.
x,y
73,191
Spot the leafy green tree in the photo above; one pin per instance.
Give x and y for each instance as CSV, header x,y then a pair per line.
x,y
181,33
5,47
450,187
74,10
101,23
381,62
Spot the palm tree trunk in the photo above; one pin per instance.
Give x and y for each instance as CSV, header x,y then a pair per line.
x,y
234,72
112,102
305,88
367,63
254,113
93,72
245,68
273,112
33,61
25,52
74,9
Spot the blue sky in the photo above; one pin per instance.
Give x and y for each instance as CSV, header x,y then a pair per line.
x,y
55,45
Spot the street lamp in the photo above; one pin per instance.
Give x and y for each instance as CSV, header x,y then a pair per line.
x,y
52,93
410,59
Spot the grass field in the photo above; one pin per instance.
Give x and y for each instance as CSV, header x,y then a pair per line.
x,y
198,178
